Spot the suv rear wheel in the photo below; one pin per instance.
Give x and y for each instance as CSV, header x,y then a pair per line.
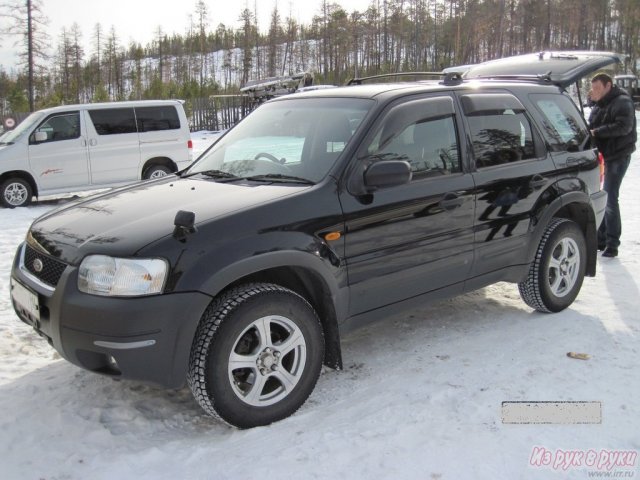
x,y
256,355
556,274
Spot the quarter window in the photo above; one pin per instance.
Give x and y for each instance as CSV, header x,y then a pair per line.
x,y
564,128
112,121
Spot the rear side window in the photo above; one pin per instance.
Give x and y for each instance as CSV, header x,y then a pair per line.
x,y
563,127
112,121
500,136
152,119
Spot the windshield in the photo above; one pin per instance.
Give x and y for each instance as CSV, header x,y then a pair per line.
x,y
294,138
12,135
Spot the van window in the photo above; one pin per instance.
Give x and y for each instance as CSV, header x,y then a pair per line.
x,y
111,121
151,119
65,126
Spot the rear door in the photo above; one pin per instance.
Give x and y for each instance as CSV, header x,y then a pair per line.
x,y
61,160
512,171
405,241
114,146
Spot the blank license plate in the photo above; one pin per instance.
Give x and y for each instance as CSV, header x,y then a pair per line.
x,y
25,299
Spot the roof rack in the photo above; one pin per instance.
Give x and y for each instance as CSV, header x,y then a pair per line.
x,y
450,78
267,88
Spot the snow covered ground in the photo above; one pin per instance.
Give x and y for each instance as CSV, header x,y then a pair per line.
x,y
420,396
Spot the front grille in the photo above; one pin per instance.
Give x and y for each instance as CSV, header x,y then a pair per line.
x,y
51,268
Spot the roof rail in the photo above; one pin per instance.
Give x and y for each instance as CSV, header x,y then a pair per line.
x,y
541,78
358,81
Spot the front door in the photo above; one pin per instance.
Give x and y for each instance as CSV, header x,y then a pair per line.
x,y
58,152
405,241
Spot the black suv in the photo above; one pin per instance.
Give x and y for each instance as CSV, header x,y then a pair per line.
x,y
317,213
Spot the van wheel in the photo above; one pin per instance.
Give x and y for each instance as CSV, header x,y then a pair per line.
x,y
156,171
15,192
556,274
256,355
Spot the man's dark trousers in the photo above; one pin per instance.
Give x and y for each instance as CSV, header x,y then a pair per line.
x,y
611,226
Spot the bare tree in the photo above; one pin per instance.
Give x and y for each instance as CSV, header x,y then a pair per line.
x,y
29,22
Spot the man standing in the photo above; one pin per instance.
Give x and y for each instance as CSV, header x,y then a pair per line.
x,y
613,127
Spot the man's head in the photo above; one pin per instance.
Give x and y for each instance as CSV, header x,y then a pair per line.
x,y
601,84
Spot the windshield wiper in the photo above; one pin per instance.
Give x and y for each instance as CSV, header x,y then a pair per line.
x,y
6,143
278,177
213,174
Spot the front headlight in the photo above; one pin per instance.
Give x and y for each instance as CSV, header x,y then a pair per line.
x,y
121,277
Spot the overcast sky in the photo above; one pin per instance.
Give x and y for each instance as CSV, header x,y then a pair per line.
x,y
139,19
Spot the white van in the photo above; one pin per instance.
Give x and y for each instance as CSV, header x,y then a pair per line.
x,y
92,146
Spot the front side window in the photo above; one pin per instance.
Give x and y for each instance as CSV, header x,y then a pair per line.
x,y
56,128
421,132
152,119
563,127
112,121
294,137
500,136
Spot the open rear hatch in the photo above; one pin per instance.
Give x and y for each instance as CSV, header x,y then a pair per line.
x,y
561,68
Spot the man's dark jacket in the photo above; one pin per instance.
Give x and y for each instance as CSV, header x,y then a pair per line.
x,y
614,120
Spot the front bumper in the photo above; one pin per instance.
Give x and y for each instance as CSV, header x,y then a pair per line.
x,y
142,338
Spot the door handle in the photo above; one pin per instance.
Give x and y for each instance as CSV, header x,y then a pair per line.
x,y
83,142
451,201
537,182
573,161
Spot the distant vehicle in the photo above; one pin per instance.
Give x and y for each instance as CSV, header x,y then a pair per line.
x,y
262,90
630,84
84,147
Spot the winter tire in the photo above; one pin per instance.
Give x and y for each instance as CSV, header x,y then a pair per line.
x,y
556,274
156,171
15,192
256,355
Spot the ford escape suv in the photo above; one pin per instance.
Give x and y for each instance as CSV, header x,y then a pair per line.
x,y
317,213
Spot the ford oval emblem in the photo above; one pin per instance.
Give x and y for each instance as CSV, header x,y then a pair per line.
x,y
37,265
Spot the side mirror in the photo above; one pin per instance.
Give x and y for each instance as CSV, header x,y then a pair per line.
x,y
387,173
40,137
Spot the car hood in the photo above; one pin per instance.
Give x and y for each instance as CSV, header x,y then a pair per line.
x,y
122,221
562,67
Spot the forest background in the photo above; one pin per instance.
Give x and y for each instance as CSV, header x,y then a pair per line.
x,y
389,36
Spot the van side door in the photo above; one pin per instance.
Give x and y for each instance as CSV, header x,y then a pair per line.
x,y
114,146
58,152
162,134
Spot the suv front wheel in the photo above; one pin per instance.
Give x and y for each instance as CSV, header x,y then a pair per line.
x,y
556,274
256,355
